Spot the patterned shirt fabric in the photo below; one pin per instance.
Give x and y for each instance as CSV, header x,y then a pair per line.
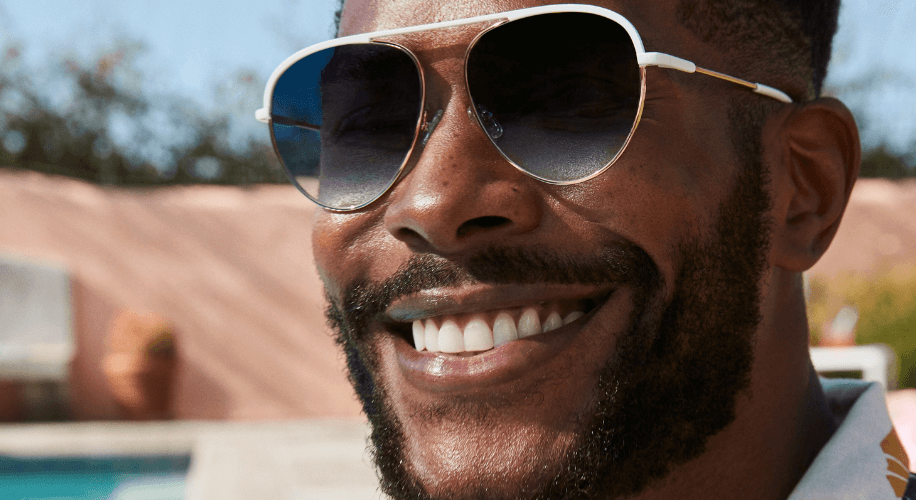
x,y
864,459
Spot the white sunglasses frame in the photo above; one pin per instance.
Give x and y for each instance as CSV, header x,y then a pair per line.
x,y
643,58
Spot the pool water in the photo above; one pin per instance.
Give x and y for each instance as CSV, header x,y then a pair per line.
x,y
160,477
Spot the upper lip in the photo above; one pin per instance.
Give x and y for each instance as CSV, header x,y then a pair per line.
x,y
484,297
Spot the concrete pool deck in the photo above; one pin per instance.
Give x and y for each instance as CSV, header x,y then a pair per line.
x,y
290,460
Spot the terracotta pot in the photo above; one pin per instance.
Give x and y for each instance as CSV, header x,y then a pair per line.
x,y
141,384
140,364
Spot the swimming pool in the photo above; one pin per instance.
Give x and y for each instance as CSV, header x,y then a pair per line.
x,y
154,477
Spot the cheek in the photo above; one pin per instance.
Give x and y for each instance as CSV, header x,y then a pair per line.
x,y
658,206
669,188
326,242
352,247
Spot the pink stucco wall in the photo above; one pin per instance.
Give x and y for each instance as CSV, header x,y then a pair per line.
x,y
230,268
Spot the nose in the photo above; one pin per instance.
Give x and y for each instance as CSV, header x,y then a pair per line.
x,y
462,194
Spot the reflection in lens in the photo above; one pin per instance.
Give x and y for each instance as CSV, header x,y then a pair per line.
x,y
564,87
344,120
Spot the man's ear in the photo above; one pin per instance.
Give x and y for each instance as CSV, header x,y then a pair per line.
x,y
821,156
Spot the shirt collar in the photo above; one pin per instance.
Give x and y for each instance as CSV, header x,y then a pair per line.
x,y
864,459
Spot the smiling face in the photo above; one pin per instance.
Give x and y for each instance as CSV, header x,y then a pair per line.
x,y
510,338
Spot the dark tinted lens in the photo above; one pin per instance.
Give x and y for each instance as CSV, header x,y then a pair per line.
x,y
344,120
563,89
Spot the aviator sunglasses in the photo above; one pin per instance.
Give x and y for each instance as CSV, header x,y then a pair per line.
x,y
558,90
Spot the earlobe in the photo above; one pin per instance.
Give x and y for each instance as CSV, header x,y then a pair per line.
x,y
821,156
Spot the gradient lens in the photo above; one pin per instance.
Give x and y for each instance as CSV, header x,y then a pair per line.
x,y
557,94
344,120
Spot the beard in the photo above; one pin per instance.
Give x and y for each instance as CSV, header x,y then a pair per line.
x,y
672,382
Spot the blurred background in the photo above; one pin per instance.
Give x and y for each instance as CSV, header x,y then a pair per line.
x,y
156,267
121,93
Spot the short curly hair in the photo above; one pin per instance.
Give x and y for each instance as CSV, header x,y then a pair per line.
x,y
793,38
775,39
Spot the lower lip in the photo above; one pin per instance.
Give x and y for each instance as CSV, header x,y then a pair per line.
x,y
442,373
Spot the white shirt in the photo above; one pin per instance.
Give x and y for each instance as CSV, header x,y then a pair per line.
x,y
864,458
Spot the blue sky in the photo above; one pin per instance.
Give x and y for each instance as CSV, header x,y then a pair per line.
x,y
188,44
192,46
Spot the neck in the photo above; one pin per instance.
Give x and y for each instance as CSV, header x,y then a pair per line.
x,y
781,423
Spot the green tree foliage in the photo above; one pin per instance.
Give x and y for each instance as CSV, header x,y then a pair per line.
x,y
170,141
886,303
873,97
881,162
92,121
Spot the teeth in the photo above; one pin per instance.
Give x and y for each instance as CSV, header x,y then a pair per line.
x,y
504,330
451,339
477,335
572,317
552,323
419,335
431,334
529,324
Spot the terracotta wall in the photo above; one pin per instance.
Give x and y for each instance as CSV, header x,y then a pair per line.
x,y
878,231
231,269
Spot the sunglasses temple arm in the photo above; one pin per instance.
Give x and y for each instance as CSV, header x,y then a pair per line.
x,y
262,116
668,61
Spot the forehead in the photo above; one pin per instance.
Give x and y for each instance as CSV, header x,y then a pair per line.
x,y
655,20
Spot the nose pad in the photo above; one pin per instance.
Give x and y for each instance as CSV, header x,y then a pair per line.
x,y
490,125
430,126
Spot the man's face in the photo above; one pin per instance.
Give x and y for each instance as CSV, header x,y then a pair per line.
x,y
656,262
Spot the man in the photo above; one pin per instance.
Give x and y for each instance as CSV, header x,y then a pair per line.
x,y
538,298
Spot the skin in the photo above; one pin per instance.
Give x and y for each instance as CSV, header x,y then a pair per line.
x,y
663,192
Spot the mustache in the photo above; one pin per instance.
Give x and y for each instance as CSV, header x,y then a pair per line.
x,y
618,263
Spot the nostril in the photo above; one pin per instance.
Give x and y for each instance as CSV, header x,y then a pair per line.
x,y
481,223
408,235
